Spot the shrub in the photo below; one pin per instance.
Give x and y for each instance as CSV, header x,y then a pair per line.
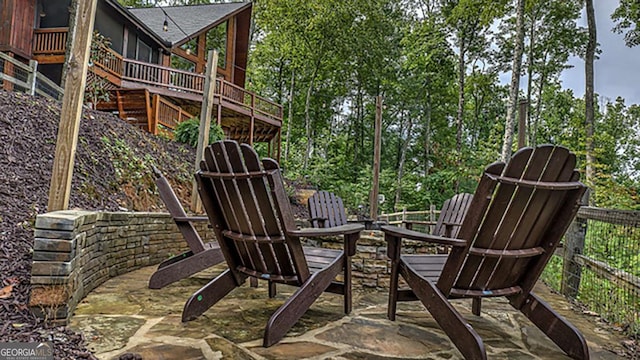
x,y
187,132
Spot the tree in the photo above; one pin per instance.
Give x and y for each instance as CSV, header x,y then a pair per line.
x,y
515,83
627,18
589,96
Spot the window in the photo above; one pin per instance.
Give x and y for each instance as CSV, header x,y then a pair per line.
x,y
143,52
217,40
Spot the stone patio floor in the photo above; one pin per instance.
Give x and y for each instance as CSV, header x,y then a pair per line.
x,y
123,316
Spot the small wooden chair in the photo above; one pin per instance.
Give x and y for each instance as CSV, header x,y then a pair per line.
x,y
450,218
326,209
516,218
249,209
200,256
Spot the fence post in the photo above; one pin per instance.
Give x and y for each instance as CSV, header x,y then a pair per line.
x,y
31,78
573,245
432,217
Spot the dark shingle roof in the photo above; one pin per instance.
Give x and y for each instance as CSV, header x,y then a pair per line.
x,y
185,21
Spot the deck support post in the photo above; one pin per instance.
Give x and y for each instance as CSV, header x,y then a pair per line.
x,y
76,79
205,122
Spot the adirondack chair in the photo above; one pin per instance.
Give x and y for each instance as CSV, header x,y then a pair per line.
x,y
326,209
451,216
249,210
199,256
516,219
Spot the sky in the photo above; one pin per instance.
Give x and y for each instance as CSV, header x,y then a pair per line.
x,y
617,71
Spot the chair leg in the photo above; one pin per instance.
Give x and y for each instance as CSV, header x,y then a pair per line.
x,y
393,291
476,306
557,328
347,285
454,325
208,295
253,282
272,289
291,311
184,265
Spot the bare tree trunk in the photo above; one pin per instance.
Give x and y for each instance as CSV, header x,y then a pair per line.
x,y
459,115
290,117
427,135
530,60
403,156
307,119
590,96
512,105
536,118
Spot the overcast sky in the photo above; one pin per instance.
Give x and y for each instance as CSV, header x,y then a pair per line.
x,y
617,71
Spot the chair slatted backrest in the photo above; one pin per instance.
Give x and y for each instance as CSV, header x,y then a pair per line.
x,y
248,207
326,210
452,215
517,217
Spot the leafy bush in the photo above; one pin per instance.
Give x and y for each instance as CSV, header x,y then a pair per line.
x,y
187,132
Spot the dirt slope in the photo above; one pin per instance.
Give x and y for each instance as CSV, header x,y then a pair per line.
x,y
111,173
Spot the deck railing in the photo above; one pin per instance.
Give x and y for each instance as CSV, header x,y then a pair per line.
x,y
108,60
162,76
167,115
50,41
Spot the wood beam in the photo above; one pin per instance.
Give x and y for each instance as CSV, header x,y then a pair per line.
x,y
75,82
205,122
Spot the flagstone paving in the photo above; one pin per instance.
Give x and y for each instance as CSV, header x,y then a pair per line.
x,y
124,317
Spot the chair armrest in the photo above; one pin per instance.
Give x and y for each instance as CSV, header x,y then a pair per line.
x,y
399,232
191,218
332,231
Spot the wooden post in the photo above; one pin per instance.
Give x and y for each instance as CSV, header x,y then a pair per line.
x,y
32,77
205,122
573,245
522,124
75,81
432,217
376,160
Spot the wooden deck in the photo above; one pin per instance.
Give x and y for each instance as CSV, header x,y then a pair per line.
x,y
243,115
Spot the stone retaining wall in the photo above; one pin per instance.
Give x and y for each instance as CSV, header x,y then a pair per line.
x,y
76,251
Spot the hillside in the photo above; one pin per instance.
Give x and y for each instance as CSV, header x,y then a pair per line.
x,y
111,173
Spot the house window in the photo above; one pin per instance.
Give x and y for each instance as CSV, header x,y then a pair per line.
x,y
143,52
217,39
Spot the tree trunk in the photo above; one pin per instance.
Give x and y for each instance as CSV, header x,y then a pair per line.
x,y
403,156
589,96
536,116
459,115
532,34
290,117
515,84
427,135
307,118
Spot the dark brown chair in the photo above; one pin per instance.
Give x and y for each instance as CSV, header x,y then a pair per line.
x,y
249,210
450,218
516,219
200,255
326,210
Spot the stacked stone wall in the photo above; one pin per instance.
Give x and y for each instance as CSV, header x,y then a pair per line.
x,y
76,251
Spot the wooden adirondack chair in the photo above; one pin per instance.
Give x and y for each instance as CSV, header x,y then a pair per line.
x,y
250,213
199,256
451,216
326,210
516,219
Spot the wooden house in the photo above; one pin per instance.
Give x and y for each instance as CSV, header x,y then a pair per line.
x,y
154,67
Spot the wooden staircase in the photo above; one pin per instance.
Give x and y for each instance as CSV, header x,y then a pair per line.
x,y
139,107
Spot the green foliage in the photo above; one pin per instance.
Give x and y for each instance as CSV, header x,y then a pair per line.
x,y
187,132
627,18
96,90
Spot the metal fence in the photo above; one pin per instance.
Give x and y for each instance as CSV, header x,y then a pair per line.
x,y
599,265
16,76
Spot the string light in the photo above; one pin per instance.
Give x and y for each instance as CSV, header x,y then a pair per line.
x,y
165,26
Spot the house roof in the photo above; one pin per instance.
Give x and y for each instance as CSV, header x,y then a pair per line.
x,y
186,21
126,13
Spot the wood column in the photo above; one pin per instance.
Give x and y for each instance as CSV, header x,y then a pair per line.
x,y
75,82
205,122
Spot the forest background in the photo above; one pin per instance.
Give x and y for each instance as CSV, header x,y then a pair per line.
x,y
437,64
